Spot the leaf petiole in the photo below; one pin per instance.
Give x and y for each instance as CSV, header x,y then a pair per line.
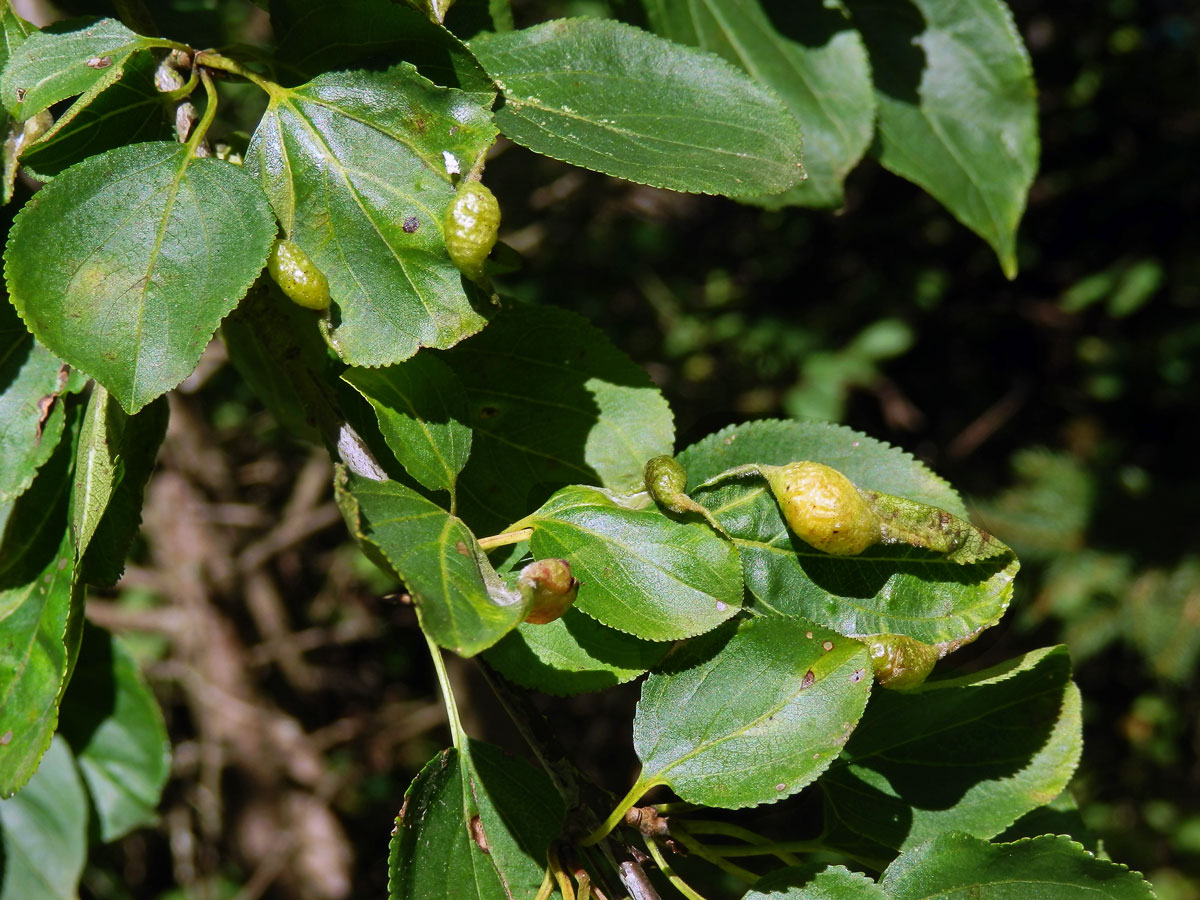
x,y
503,540
774,848
680,833
665,867
211,60
210,113
457,736
560,875
736,472
753,838
184,90
618,815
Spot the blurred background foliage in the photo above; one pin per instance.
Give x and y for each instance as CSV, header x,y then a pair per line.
x,y
1064,404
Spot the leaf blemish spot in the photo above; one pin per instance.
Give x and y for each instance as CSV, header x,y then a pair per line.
x,y
781,786
6,738
411,224
808,634
857,676
99,62
478,836
827,646
808,680
721,606
462,548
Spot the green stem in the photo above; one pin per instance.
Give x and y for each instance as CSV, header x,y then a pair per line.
x,y
560,875
503,540
680,833
665,867
216,61
779,849
710,826
677,806
618,815
210,113
185,90
476,171
457,736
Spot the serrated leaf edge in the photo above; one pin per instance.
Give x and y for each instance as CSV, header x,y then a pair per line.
x,y
714,58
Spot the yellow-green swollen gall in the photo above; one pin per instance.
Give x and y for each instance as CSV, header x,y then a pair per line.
x,y
899,661
824,508
471,225
548,588
297,276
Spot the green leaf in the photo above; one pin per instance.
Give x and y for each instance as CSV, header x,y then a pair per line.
x,y
421,411
43,832
31,414
552,402
969,754
66,59
461,601
957,108
955,866
97,466
113,724
1060,816
809,883
613,98
13,31
125,263
748,716
572,655
114,461
320,35
356,167
36,555
889,589
807,53
641,572
129,112
434,9
474,824
865,461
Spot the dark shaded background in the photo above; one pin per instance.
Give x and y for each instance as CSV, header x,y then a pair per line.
x,y
1064,402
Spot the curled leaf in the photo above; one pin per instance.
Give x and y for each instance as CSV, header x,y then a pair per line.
x,y
828,511
918,525
666,482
